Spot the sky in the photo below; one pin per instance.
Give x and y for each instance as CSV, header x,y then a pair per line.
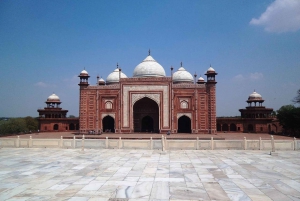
x,y
44,45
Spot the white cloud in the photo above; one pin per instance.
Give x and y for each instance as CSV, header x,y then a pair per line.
x,y
73,81
239,77
256,76
43,84
251,77
280,16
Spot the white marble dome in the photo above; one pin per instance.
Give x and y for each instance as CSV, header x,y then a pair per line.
x,y
149,68
255,96
210,70
114,77
181,75
53,97
201,79
101,81
84,72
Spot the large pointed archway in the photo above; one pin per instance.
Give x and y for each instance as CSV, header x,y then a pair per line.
x,y
146,116
184,124
108,124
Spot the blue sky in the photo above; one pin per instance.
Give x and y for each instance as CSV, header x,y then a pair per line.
x,y
44,45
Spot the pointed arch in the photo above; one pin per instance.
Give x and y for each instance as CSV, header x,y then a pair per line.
x,y
145,115
108,123
184,124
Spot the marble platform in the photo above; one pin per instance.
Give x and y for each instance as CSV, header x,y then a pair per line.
x,y
144,175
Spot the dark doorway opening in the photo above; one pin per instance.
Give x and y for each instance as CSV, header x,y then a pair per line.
x,y
224,127
108,124
250,128
184,125
146,116
55,127
232,127
147,124
71,126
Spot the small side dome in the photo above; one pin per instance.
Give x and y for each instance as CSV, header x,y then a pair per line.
x,y
53,98
84,72
114,77
201,80
149,68
181,75
210,70
255,96
101,81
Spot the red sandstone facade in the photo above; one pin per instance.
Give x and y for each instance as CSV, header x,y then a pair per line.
x,y
54,118
148,102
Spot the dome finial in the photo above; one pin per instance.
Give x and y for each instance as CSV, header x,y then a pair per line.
x,y
117,65
195,75
180,64
149,52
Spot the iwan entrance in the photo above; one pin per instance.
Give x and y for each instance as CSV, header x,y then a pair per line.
x,y
145,115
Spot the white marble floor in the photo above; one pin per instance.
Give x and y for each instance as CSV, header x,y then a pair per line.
x,y
144,175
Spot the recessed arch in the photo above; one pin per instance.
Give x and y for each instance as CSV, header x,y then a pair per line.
x,y
232,127
108,105
71,126
184,104
250,128
108,124
55,127
225,127
184,124
146,115
147,124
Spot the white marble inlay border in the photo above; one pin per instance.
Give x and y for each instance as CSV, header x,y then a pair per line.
x,y
136,97
108,114
164,107
184,114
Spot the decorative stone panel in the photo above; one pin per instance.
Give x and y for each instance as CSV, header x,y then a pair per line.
x,y
154,96
184,114
108,114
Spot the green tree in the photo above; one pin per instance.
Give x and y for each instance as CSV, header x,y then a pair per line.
x,y
289,118
31,123
297,98
13,126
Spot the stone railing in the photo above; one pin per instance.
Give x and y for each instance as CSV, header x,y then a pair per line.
x,y
161,144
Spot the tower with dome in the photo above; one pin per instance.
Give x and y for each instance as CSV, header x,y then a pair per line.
x,y
149,101
255,118
54,118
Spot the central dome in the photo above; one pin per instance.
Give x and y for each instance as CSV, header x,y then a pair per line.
x,y
149,68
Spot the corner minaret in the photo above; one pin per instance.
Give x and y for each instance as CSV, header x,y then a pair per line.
x,y
83,84
84,79
211,94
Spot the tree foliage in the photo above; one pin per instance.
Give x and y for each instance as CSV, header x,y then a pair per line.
x,y
289,118
18,125
297,98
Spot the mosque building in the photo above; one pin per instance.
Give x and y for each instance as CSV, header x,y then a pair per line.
x,y
149,101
